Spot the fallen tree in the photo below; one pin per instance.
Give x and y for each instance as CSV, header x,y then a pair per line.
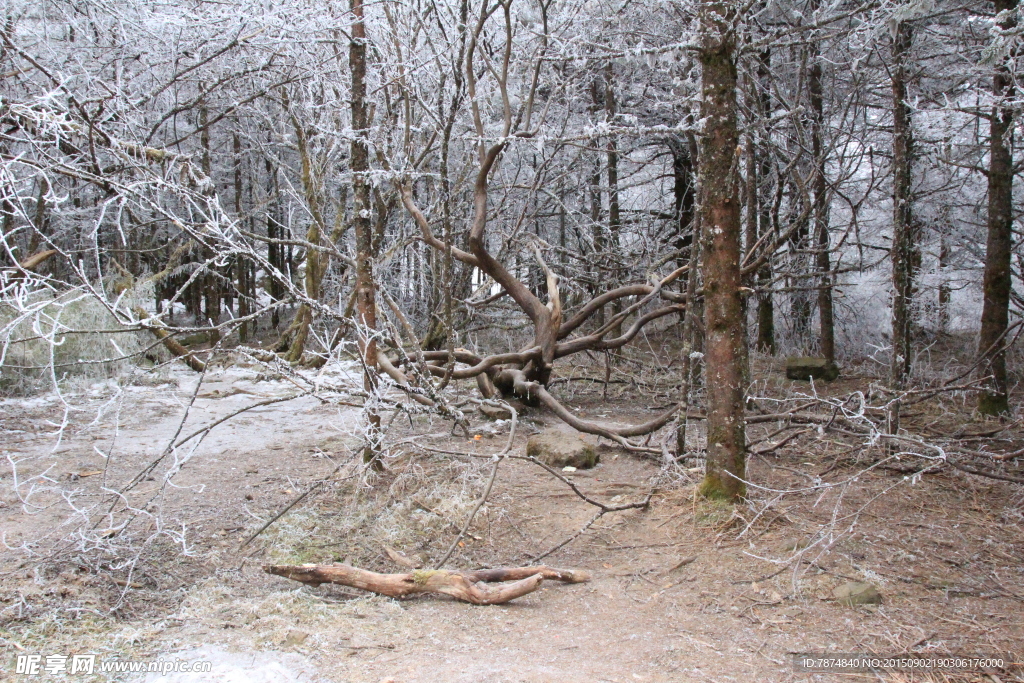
x,y
468,586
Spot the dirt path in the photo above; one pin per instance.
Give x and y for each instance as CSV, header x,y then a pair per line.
x,y
638,620
643,617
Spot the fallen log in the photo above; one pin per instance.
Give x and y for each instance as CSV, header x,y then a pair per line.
x,y
29,265
36,260
170,343
468,586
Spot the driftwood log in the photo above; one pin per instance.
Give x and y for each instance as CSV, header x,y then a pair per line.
x,y
469,586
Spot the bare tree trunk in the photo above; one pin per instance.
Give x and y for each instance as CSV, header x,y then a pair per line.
x,y
721,231
765,302
366,306
902,237
275,231
686,372
944,290
241,264
595,213
211,282
998,282
294,338
826,322
614,217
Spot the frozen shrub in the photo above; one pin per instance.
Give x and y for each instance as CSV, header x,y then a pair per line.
x,y
47,337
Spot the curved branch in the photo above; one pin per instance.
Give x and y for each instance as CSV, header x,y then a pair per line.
x,y
428,236
524,387
485,364
598,302
519,292
595,342
394,373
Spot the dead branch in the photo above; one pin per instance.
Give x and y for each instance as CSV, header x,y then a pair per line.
x,y
169,342
523,387
468,586
36,260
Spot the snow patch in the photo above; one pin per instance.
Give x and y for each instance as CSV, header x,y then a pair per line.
x,y
239,667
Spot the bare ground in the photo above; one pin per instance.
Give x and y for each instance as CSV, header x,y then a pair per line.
x,y
945,549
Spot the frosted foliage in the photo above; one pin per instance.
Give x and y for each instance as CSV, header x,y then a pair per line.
x,y
74,335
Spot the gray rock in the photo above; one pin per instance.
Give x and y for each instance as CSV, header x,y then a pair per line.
x,y
495,412
295,638
195,339
857,593
793,546
807,367
562,448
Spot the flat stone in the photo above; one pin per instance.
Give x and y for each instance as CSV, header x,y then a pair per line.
x,y
561,448
495,412
195,339
295,637
808,367
857,593
793,546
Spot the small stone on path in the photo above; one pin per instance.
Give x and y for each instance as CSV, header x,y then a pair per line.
x,y
857,593
561,448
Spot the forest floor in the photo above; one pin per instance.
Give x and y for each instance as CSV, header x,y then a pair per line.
x,y
684,590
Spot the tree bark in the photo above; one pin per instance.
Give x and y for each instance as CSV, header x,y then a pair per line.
x,y
596,207
765,302
686,371
294,338
614,216
902,236
241,264
366,305
826,321
999,245
721,233
275,231
944,289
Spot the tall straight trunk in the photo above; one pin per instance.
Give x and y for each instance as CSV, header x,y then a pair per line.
x,y
366,306
944,289
997,282
211,281
275,231
241,264
614,217
826,322
902,253
595,213
689,315
721,232
765,302
598,236
684,205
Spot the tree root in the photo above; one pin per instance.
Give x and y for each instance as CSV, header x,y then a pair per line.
x,y
468,586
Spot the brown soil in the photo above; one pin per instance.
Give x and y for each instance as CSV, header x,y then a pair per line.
x,y
946,551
